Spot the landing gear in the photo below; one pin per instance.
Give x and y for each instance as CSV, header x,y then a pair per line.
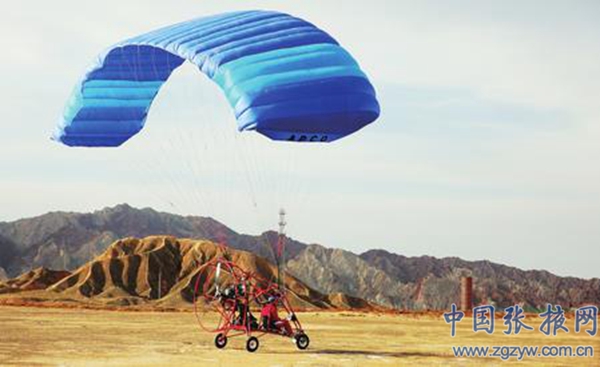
x,y
302,341
220,341
252,344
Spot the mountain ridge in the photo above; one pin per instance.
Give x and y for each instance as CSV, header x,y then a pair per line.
x,y
157,272
66,240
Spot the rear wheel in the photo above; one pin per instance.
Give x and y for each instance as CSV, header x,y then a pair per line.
x,y
252,344
302,341
220,341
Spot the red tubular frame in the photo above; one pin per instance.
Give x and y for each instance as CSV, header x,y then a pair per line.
x,y
253,292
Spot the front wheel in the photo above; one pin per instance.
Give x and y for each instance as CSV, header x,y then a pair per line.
x,y
252,344
220,341
302,341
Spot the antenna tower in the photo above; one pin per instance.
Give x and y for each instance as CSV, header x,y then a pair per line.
x,y
281,249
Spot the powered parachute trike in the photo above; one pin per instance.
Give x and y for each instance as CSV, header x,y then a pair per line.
x,y
283,78
236,296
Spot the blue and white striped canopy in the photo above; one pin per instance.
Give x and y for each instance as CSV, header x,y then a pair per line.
x,y
282,76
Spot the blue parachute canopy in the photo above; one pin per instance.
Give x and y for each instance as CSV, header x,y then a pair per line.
x,y
283,77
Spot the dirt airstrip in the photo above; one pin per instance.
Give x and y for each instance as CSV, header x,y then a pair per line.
x,y
72,337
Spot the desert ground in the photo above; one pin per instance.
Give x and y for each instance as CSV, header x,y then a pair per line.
x,y
79,337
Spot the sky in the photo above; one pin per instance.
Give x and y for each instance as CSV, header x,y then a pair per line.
x,y
486,148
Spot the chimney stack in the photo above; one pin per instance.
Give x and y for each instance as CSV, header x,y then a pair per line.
x,y
466,293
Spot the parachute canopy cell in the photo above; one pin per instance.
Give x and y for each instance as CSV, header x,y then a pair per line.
x,y
282,76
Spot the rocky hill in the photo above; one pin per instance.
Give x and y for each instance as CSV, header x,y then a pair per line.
x,y
159,271
69,240
37,279
64,240
437,280
335,270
